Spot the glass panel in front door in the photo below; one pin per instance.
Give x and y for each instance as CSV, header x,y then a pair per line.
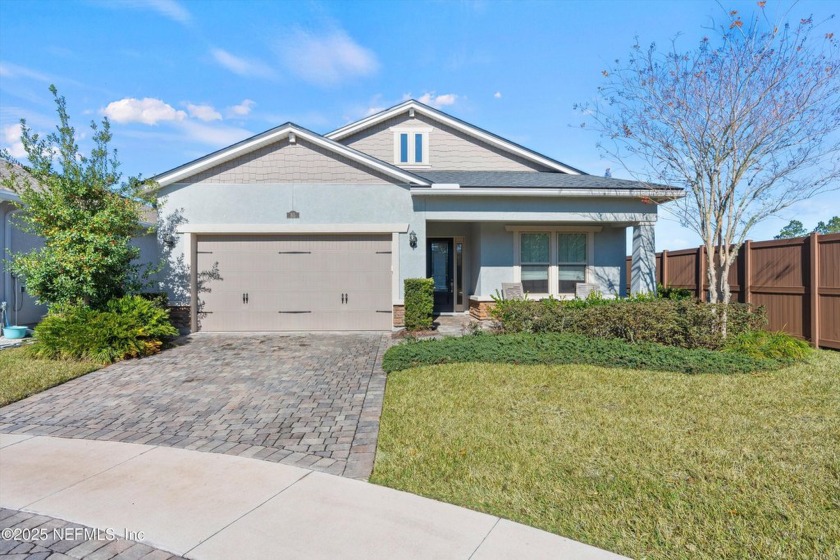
x,y
440,265
459,275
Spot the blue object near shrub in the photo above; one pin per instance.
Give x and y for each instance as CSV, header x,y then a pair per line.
x,y
14,332
419,303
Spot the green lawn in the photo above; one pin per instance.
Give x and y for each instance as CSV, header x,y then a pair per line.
x,y
646,464
22,375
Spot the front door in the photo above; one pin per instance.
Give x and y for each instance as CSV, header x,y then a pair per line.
x,y
439,268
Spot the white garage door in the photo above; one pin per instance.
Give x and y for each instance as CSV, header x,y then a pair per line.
x,y
294,282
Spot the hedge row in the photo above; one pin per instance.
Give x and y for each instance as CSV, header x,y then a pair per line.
x,y
682,323
559,348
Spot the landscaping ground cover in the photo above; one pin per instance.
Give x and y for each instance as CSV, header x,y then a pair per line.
x,y
644,463
563,348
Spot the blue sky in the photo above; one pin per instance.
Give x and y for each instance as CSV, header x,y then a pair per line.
x,y
181,79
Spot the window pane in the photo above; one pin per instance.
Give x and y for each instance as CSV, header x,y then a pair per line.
x,y
570,276
571,247
534,248
403,148
418,148
535,279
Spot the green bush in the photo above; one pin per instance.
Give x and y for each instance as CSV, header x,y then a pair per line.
x,y
673,322
773,345
128,327
670,292
557,348
419,303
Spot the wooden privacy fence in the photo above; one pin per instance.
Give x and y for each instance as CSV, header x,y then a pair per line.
x,y
796,280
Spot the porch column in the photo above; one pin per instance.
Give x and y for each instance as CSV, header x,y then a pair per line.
x,y
643,267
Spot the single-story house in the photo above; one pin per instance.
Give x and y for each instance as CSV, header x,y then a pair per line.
x,y
22,308
294,230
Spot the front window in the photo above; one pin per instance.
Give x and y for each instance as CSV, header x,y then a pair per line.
x,y
571,261
534,257
411,147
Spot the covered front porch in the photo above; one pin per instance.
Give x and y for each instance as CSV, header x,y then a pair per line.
x,y
470,261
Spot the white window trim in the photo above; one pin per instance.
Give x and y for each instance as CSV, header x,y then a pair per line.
x,y
553,266
411,131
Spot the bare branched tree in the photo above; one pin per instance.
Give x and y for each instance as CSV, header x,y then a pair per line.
x,y
747,122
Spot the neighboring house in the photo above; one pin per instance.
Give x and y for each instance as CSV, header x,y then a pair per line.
x,y
21,306
293,230
23,309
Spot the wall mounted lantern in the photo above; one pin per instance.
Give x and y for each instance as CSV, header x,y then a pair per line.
x,y
412,239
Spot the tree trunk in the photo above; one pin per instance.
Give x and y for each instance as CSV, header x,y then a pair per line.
x,y
718,264
711,275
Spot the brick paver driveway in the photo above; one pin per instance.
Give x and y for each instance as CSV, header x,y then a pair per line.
x,y
312,400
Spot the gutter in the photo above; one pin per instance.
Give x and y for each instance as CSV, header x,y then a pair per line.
x,y
545,192
9,196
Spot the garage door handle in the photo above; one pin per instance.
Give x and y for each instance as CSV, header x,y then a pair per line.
x,y
246,297
243,297
294,312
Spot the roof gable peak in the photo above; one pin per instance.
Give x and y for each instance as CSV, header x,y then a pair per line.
x,y
412,105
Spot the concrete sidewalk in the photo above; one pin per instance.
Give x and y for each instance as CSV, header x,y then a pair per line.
x,y
205,505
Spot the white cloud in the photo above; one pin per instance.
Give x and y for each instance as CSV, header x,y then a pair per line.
x,y
438,101
498,95
11,141
147,111
205,113
243,109
167,8
327,59
242,66
213,135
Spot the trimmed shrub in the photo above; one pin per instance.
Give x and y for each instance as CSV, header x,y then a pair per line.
x,y
557,348
773,345
419,303
128,327
683,323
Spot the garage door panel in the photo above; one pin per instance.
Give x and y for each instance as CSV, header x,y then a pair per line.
x,y
295,282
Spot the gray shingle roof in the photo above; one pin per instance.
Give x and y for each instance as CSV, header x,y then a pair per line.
x,y
535,179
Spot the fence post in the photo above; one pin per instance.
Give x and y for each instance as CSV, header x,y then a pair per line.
x,y
701,270
814,280
747,256
665,268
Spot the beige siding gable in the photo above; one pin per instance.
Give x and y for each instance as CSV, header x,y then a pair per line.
x,y
449,149
283,162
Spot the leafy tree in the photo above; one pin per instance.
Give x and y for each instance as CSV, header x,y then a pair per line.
x,y
793,229
833,226
747,122
796,229
86,217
